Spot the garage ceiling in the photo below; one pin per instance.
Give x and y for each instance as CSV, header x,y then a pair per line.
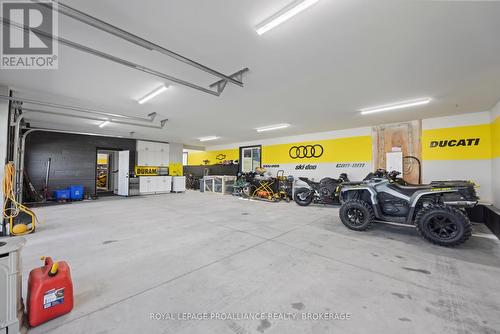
x,y
314,71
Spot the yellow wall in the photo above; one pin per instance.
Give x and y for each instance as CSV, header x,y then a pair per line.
x,y
196,158
359,149
454,138
351,149
334,150
495,135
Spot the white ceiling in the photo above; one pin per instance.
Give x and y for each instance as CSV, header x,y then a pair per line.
x,y
313,71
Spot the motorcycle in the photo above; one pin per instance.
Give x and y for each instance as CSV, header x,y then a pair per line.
x,y
325,191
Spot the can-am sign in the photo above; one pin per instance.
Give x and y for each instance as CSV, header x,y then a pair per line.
x,y
27,31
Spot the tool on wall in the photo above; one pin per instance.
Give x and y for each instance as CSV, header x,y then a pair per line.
x,y
13,210
46,194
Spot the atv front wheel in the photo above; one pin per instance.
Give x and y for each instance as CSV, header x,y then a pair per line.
x,y
357,215
303,196
443,225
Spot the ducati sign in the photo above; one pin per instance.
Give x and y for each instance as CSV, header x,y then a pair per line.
x,y
455,142
307,151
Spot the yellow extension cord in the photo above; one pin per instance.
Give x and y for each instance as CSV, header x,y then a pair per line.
x,y
15,207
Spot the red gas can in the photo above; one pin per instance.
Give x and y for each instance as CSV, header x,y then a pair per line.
x,y
50,292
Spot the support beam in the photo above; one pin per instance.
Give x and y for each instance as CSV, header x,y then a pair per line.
x,y
4,130
18,100
161,126
118,32
221,84
95,52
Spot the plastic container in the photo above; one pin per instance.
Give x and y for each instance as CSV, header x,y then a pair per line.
x,y
50,292
62,195
76,193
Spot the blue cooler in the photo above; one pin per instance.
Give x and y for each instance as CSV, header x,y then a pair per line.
x,y
76,193
62,195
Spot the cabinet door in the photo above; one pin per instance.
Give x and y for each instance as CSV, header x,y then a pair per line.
x,y
143,184
156,158
141,145
164,155
157,184
168,183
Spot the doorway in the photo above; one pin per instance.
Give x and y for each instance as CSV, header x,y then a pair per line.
x,y
106,172
400,137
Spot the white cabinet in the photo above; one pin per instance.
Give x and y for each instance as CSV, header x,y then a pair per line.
x,y
178,184
155,184
152,154
166,183
144,184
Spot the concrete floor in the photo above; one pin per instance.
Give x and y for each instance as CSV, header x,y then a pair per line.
x,y
198,252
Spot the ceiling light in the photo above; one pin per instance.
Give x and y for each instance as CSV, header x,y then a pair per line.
x,y
154,93
103,124
208,138
394,106
272,127
286,13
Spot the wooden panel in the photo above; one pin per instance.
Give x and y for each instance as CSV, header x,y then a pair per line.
x,y
404,136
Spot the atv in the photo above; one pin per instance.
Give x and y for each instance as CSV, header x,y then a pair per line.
x,y
436,209
325,191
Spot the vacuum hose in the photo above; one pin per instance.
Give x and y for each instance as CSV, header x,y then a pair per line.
x,y
12,208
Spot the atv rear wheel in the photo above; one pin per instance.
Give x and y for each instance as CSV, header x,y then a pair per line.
x,y
443,225
303,196
357,215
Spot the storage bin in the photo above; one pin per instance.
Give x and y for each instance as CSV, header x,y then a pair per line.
x,y
62,195
76,193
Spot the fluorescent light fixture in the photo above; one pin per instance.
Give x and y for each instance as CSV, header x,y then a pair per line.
x,y
208,138
286,13
103,124
394,106
154,93
272,127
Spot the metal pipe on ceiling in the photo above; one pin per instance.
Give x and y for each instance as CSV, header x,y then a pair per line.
x,y
110,57
93,118
79,109
118,32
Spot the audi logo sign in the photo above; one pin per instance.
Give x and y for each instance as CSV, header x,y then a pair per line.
x,y
308,151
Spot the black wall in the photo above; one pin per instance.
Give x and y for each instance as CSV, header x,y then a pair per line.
x,y
73,158
212,170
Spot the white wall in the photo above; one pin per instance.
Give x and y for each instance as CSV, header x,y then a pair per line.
x,y
496,181
4,126
476,118
495,165
366,131
175,152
